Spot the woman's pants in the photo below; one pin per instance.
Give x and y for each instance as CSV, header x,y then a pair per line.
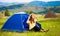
x,y
37,27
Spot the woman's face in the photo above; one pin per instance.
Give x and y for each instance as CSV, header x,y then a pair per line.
x,y
33,15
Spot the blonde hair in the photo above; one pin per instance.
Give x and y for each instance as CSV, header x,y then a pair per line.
x,y
31,19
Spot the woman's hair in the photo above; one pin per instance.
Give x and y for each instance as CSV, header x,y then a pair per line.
x,y
31,19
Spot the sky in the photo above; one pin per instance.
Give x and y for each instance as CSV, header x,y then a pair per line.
x,y
22,1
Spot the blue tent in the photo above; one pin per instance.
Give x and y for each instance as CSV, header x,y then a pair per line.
x,y
16,22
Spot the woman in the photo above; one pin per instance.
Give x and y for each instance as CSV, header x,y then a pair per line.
x,y
33,24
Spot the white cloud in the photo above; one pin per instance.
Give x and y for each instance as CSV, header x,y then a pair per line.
x,y
16,1
19,1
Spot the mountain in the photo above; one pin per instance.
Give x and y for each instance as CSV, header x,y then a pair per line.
x,y
15,6
33,3
33,6
8,4
41,3
37,3
53,3
4,3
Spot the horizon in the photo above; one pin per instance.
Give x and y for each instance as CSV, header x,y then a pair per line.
x,y
25,1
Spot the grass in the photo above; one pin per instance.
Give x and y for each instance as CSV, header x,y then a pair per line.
x,y
53,24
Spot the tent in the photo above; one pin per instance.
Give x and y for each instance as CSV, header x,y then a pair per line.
x,y
16,22
50,15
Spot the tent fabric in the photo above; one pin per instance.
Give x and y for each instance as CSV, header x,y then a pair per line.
x,y
16,22
20,13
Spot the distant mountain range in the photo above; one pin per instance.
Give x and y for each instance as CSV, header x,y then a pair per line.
x,y
4,3
15,6
34,6
9,4
34,3
41,3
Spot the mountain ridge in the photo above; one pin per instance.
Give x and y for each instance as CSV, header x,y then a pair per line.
x,y
41,3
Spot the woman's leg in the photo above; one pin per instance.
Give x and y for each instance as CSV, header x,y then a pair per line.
x,y
38,27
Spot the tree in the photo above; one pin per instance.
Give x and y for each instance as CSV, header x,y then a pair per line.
x,y
29,11
7,13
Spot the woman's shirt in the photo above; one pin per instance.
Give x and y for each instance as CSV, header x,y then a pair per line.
x,y
31,25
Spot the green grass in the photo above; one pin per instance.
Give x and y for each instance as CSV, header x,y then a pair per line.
x,y
52,24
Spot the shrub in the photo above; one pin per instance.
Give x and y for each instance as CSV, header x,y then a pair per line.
x,y
7,13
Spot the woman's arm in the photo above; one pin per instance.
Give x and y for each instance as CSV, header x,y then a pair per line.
x,y
28,19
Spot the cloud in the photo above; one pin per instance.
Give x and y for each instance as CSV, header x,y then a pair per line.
x,y
22,1
16,1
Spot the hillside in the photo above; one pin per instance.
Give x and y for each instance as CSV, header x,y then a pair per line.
x,y
40,3
35,6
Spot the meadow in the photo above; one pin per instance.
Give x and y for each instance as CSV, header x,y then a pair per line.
x,y
53,24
